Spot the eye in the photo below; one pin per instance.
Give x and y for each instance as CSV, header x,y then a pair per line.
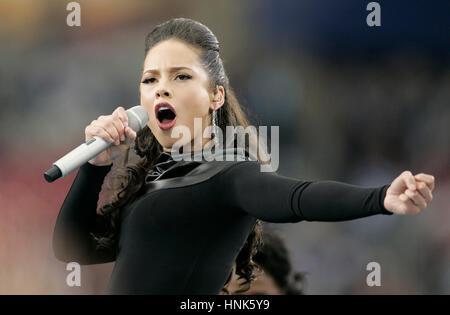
x,y
148,80
183,77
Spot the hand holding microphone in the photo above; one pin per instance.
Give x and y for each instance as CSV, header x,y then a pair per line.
x,y
106,139
114,129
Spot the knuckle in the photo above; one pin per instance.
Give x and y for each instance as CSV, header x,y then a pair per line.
x,y
119,123
119,110
108,123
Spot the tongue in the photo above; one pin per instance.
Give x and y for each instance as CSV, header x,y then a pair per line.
x,y
166,120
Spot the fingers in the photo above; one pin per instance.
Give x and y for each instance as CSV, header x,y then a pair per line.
x,y
417,198
121,113
130,133
107,124
425,191
428,179
115,124
113,128
409,179
409,206
93,130
413,192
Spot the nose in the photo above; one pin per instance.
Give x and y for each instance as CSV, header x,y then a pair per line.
x,y
161,92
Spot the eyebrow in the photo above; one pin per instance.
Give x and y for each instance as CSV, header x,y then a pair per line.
x,y
172,69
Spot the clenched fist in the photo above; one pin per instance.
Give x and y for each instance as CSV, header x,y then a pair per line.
x,y
409,193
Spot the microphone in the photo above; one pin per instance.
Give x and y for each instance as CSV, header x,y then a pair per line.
x,y
137,119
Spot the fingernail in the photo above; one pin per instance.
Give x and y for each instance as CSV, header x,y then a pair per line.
x,y
126,124
122,137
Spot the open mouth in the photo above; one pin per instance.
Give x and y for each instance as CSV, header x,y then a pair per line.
x,y
165,115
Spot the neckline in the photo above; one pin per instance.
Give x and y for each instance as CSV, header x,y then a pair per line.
x,y
200,155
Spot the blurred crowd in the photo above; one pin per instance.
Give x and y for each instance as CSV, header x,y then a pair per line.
x,y
352,106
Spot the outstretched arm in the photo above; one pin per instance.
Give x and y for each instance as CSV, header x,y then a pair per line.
x,y
275,198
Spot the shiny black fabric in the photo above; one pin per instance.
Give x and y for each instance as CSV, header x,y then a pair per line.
x,y
162,164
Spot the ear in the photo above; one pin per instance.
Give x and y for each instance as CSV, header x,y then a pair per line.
x,y
217,97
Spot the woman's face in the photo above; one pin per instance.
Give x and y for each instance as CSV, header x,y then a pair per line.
x,y
172,74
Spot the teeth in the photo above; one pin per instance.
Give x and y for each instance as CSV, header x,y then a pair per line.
x,y
163,108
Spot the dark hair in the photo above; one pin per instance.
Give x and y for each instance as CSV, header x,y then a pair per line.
x,y
131,176
275,260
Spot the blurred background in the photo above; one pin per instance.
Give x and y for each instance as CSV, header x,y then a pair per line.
x,y
354,103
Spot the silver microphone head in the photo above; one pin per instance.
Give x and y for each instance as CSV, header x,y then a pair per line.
x,y
137,117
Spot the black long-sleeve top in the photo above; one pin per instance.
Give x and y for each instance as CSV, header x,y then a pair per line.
x,y
185,230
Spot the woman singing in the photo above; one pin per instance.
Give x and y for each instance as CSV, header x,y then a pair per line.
x,y
179,226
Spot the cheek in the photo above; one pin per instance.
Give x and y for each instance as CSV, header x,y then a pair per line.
x,y
195,103
147,102
147,98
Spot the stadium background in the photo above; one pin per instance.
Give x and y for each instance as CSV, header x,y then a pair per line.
x,y
354,104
